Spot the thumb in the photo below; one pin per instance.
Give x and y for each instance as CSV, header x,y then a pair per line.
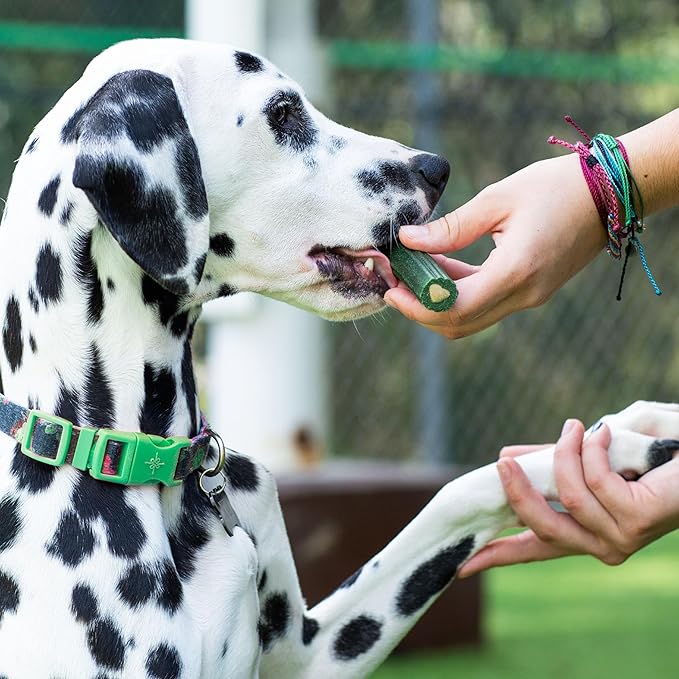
x,y
451,232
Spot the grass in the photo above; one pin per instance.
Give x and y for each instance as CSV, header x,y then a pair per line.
x,y
570,619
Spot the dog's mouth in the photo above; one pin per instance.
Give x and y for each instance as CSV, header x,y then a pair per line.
x,y
354,273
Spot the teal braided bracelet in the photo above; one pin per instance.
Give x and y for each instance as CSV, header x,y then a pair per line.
x,y
605,165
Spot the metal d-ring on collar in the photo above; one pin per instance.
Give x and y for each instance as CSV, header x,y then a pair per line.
x,y
221,460
216,495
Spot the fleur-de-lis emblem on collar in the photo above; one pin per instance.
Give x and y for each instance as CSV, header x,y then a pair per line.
x,y
155,463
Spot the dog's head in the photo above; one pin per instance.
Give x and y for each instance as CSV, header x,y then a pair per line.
x,y
215,174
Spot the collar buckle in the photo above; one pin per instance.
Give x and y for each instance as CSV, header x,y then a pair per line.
x,y
134,458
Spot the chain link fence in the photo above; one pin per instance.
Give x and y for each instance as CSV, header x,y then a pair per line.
x,y
510,73
502,76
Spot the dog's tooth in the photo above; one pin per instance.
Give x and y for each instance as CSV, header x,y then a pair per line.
x,y
369,264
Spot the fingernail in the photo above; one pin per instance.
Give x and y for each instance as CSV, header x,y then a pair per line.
x,y
504,470
567,426
389,302
415,230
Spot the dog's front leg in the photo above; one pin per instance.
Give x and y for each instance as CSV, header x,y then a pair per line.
x,y
350,632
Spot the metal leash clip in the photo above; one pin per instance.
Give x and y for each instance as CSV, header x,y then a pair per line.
x,y
212,482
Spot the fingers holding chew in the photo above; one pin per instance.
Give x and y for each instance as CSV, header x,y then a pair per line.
x,y
432,286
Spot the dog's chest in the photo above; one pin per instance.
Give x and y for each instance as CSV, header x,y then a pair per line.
x,y
123,588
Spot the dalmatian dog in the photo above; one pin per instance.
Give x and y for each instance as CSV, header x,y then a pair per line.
x,y
170,174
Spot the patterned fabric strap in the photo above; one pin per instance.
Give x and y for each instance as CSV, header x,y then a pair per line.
x,y
129,458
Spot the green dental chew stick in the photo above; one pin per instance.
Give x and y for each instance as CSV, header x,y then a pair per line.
x,y
428,281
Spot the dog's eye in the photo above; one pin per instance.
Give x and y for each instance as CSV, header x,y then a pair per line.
x,y
281,113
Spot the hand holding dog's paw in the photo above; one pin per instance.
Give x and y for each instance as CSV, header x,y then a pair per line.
x,y
608,517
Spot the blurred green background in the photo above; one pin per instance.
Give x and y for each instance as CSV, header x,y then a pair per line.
x,y
500,76
569,619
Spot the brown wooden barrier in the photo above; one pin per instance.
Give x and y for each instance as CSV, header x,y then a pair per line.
x,y
339,516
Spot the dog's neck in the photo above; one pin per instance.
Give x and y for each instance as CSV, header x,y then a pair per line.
x,y
87,336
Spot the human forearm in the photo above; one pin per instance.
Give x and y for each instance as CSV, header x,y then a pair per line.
x,y
653,152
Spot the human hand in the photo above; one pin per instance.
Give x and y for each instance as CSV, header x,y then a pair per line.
x,y
608,518
545,227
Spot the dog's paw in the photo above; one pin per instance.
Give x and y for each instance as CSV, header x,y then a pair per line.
x,y
659,420
632,453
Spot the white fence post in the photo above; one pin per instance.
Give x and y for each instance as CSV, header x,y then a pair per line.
x,y
266,363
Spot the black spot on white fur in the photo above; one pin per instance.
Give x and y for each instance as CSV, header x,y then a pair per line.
x,y
32,344
358,636
336,144
194,198
98,405
169,589
179,324
33,299
167,303
190,533
189,385
9,595
141,583
137,585
123,528
274,619
199,268
65,216
106,644
384,232
48,275
31,475
248,63
84,604
73,540
67,405
239,120
241,473
32,145
48,196
160,396
386,175
10,522
222,245
88,277
310,629
432,576
12,338
163,662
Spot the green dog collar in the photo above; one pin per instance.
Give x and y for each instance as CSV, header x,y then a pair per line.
x,y
128,458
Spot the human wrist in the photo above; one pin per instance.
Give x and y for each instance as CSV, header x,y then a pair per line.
x,y
653,152
570,183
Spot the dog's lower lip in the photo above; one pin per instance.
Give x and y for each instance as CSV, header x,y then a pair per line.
x,y
362,272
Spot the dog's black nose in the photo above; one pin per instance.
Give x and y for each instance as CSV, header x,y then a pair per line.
x,y
434,169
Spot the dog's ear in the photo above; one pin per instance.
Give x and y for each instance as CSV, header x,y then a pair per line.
x,y
138,164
